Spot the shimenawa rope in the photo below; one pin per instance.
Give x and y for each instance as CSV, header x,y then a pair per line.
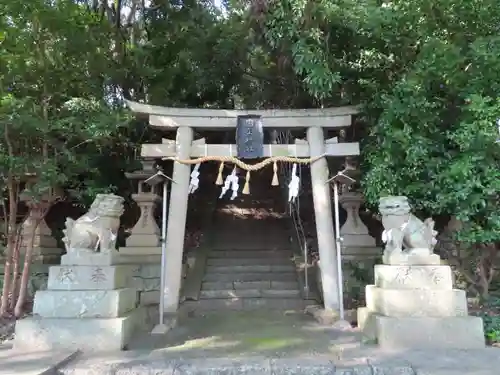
x,y
247,167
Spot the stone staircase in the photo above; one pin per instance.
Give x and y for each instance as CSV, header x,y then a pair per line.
x,y
250,263
250,279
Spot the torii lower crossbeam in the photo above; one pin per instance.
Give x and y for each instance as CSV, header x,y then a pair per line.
x,y
199,149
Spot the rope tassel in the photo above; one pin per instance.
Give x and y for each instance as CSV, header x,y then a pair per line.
x,y
246,188
219,180
275,181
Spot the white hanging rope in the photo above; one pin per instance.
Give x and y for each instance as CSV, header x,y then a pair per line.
x,y
290,174
231,182
226,186
293,208
293,186
234,184
195,175
195,180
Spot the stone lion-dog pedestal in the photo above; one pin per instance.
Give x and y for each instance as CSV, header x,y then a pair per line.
x,y
413,303
87,305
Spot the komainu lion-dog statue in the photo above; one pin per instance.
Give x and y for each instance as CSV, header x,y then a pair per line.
x,y
405,236
97,229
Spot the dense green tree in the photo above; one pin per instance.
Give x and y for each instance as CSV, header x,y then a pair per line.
x,y
434,132
427,76
425,73
55,118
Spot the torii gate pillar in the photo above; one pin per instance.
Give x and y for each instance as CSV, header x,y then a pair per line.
x,y
323,219
176,225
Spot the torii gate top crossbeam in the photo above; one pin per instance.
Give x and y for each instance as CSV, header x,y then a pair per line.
x,y
165,117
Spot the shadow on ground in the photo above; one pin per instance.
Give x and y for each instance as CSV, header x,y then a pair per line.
x,y
243,334
274,343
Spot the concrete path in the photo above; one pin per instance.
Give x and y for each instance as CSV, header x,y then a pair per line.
x,y
13,362
254,344
363,361
248,334
271,343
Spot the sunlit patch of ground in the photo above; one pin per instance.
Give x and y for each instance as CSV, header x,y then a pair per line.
x,y
251,213
240,334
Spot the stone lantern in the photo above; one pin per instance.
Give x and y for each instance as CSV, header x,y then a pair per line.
x,y
143,246
45,248
354,232
45,251
144,239
357,243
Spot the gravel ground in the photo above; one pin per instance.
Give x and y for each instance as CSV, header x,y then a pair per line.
x,y
7,329
8,323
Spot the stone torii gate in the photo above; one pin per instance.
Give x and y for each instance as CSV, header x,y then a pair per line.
x,y
185,147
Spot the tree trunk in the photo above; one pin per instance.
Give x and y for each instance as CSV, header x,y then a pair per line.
x,y
486,268
25,276
14,290
4,303
11,243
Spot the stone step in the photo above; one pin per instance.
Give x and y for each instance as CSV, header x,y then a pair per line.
x,y
251,276
247,304
89,334
243,285
457,332
248,261
249,293
223,254
251,268
98,303
248,244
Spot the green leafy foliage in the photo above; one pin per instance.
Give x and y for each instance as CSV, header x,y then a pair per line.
x,y
435,137
56,119
59,150
491,320
427,75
